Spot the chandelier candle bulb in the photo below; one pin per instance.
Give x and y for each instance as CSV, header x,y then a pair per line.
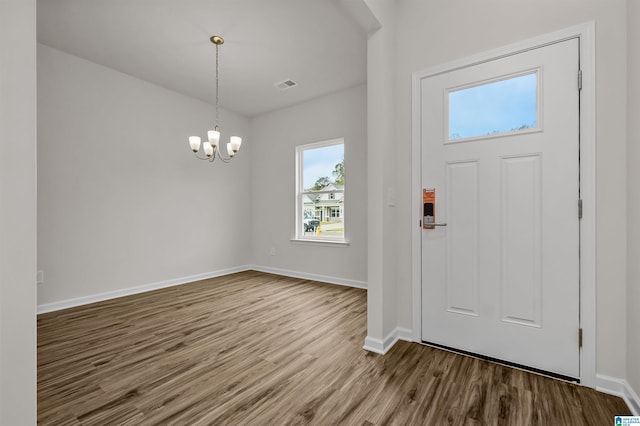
x,y
214,137
208,149
194,142
235,141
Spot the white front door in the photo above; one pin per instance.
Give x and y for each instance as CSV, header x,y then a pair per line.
x,y
500,146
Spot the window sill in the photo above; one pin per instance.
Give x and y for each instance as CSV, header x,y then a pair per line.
x,y
336,243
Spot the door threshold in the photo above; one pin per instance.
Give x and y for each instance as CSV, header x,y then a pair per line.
x,y
504,363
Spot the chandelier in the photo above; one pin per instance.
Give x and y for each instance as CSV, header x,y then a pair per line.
x,y
211,147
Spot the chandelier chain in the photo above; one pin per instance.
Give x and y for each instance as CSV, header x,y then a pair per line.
x,y
217,91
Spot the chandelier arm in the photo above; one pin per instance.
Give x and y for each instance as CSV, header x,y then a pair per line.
x,y
203,158
223,159
217,154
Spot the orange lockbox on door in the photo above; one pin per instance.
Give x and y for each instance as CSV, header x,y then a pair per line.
x,y
428,208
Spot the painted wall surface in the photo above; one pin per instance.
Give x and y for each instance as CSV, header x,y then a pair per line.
x,y
433,33
17,212
340,115
633,195
122,202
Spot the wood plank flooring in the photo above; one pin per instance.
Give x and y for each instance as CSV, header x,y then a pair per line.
x,y
260,349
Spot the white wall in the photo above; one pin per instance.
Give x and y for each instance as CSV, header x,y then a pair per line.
x,y
122,202
17,212
432,33
633,195
339,115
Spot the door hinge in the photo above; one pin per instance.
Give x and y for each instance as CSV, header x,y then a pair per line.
x,y
579,337
579,209
579,79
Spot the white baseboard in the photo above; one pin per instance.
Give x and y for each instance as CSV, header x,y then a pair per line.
x,y
372,344
307,276
70,303
405,334
621,388
84,300
383,346
632,399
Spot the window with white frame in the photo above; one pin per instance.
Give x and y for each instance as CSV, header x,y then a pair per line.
x,y
320,187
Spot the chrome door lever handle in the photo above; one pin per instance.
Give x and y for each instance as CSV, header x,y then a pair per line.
x,y
434,224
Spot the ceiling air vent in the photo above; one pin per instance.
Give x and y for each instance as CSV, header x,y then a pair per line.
x,y
284,85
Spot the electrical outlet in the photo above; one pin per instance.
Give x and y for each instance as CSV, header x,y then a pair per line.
x,y
40,277
272,251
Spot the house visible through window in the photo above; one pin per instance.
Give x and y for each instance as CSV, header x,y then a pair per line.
x,y
320,187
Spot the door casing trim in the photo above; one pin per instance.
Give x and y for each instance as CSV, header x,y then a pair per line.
x,y
586,34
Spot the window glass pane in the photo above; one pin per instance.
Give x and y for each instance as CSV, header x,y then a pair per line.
x,y
500,107
323,166
322,212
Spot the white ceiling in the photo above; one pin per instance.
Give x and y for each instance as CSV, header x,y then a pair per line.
x,y
316,43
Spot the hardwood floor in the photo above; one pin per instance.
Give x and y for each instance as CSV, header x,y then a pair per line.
x,y
255,348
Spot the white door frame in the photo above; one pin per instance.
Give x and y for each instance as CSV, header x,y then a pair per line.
x,y
586,34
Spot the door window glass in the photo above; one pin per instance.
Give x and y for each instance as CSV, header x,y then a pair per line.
x,y
505,106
